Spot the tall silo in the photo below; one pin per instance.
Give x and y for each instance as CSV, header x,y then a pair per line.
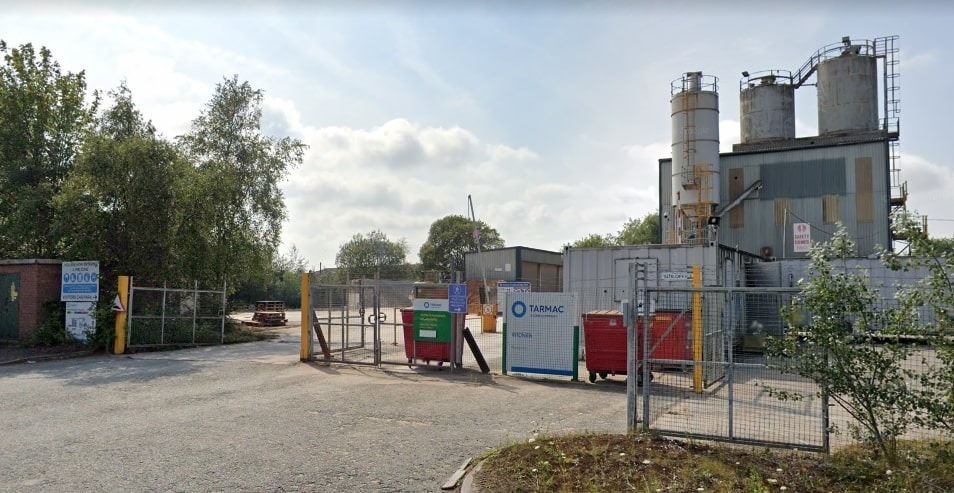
x,y
848,91
695,154
767,106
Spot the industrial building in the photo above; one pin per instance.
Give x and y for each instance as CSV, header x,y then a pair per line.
x,y
747,217
543,269
753,197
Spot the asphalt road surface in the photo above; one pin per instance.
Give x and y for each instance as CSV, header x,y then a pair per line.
x,y
251,417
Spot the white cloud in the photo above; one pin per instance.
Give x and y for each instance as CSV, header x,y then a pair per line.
x,y
930,187
555,137
500,152
398,177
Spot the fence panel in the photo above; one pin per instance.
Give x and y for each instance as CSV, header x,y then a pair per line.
x,y
346,316
371,322
726,390
162,316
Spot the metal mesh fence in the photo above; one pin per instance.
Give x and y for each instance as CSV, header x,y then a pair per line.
x,y
161,316
701,351
712,378
343,317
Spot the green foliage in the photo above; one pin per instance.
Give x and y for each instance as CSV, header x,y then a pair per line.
x,y
44,117
635,462
843,348
635,231
120,203
640,231
281,283
934,391
594,240
52,331
364,256
102,338
450,237
233,203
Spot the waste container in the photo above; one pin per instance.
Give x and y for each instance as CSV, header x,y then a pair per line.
x,y
605,336
672,336
422,350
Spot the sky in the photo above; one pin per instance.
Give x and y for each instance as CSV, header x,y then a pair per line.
x,y
552,116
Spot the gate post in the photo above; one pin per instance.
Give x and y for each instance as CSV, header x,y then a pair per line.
x,y
119,344
696,330
305,317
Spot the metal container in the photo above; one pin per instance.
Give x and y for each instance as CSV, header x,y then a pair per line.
x,y
848,92
767,104
695,150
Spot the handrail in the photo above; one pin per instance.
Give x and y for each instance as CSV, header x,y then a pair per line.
x,y
695,82
765,78
846,47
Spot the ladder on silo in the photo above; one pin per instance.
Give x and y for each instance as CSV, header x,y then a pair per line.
x,y
887,49
702,209
689,140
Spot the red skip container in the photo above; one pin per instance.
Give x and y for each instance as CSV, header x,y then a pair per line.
x,y
604,335
422,350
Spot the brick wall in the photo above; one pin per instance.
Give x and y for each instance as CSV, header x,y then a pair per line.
x,y
39,283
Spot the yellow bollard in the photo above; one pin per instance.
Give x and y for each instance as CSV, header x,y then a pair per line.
x,y
119,345
305,318
697,330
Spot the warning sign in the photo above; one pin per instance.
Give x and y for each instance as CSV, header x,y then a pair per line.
x,y
118,305
803,237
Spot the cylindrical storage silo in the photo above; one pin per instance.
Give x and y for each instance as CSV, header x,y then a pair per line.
x,y
848,93
695,146
767,107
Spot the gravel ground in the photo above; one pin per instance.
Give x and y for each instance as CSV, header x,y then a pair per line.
x,y
250,417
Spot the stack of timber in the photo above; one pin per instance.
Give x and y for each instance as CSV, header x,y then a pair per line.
x,y
268,314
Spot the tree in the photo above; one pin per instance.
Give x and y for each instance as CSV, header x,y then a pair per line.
x,y
450,237
120,202
843,351
638,231
44,117
594,240
934,393
234,205
365,256
282,282
293,262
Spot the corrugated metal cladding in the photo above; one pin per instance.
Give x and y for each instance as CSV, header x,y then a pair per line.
x,y
799,179
540,256
542,268
881,279
797,186
600,276
498,264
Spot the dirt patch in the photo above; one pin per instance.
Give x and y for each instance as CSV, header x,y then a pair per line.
x,y
15,353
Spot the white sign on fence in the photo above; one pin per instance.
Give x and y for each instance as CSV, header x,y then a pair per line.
x,y
505,288
80,318
676,276
803,237
542,335
80,281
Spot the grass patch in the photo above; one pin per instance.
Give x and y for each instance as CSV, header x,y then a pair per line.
x,y
646,463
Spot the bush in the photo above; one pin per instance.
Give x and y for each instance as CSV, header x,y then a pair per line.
x,y
52,332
